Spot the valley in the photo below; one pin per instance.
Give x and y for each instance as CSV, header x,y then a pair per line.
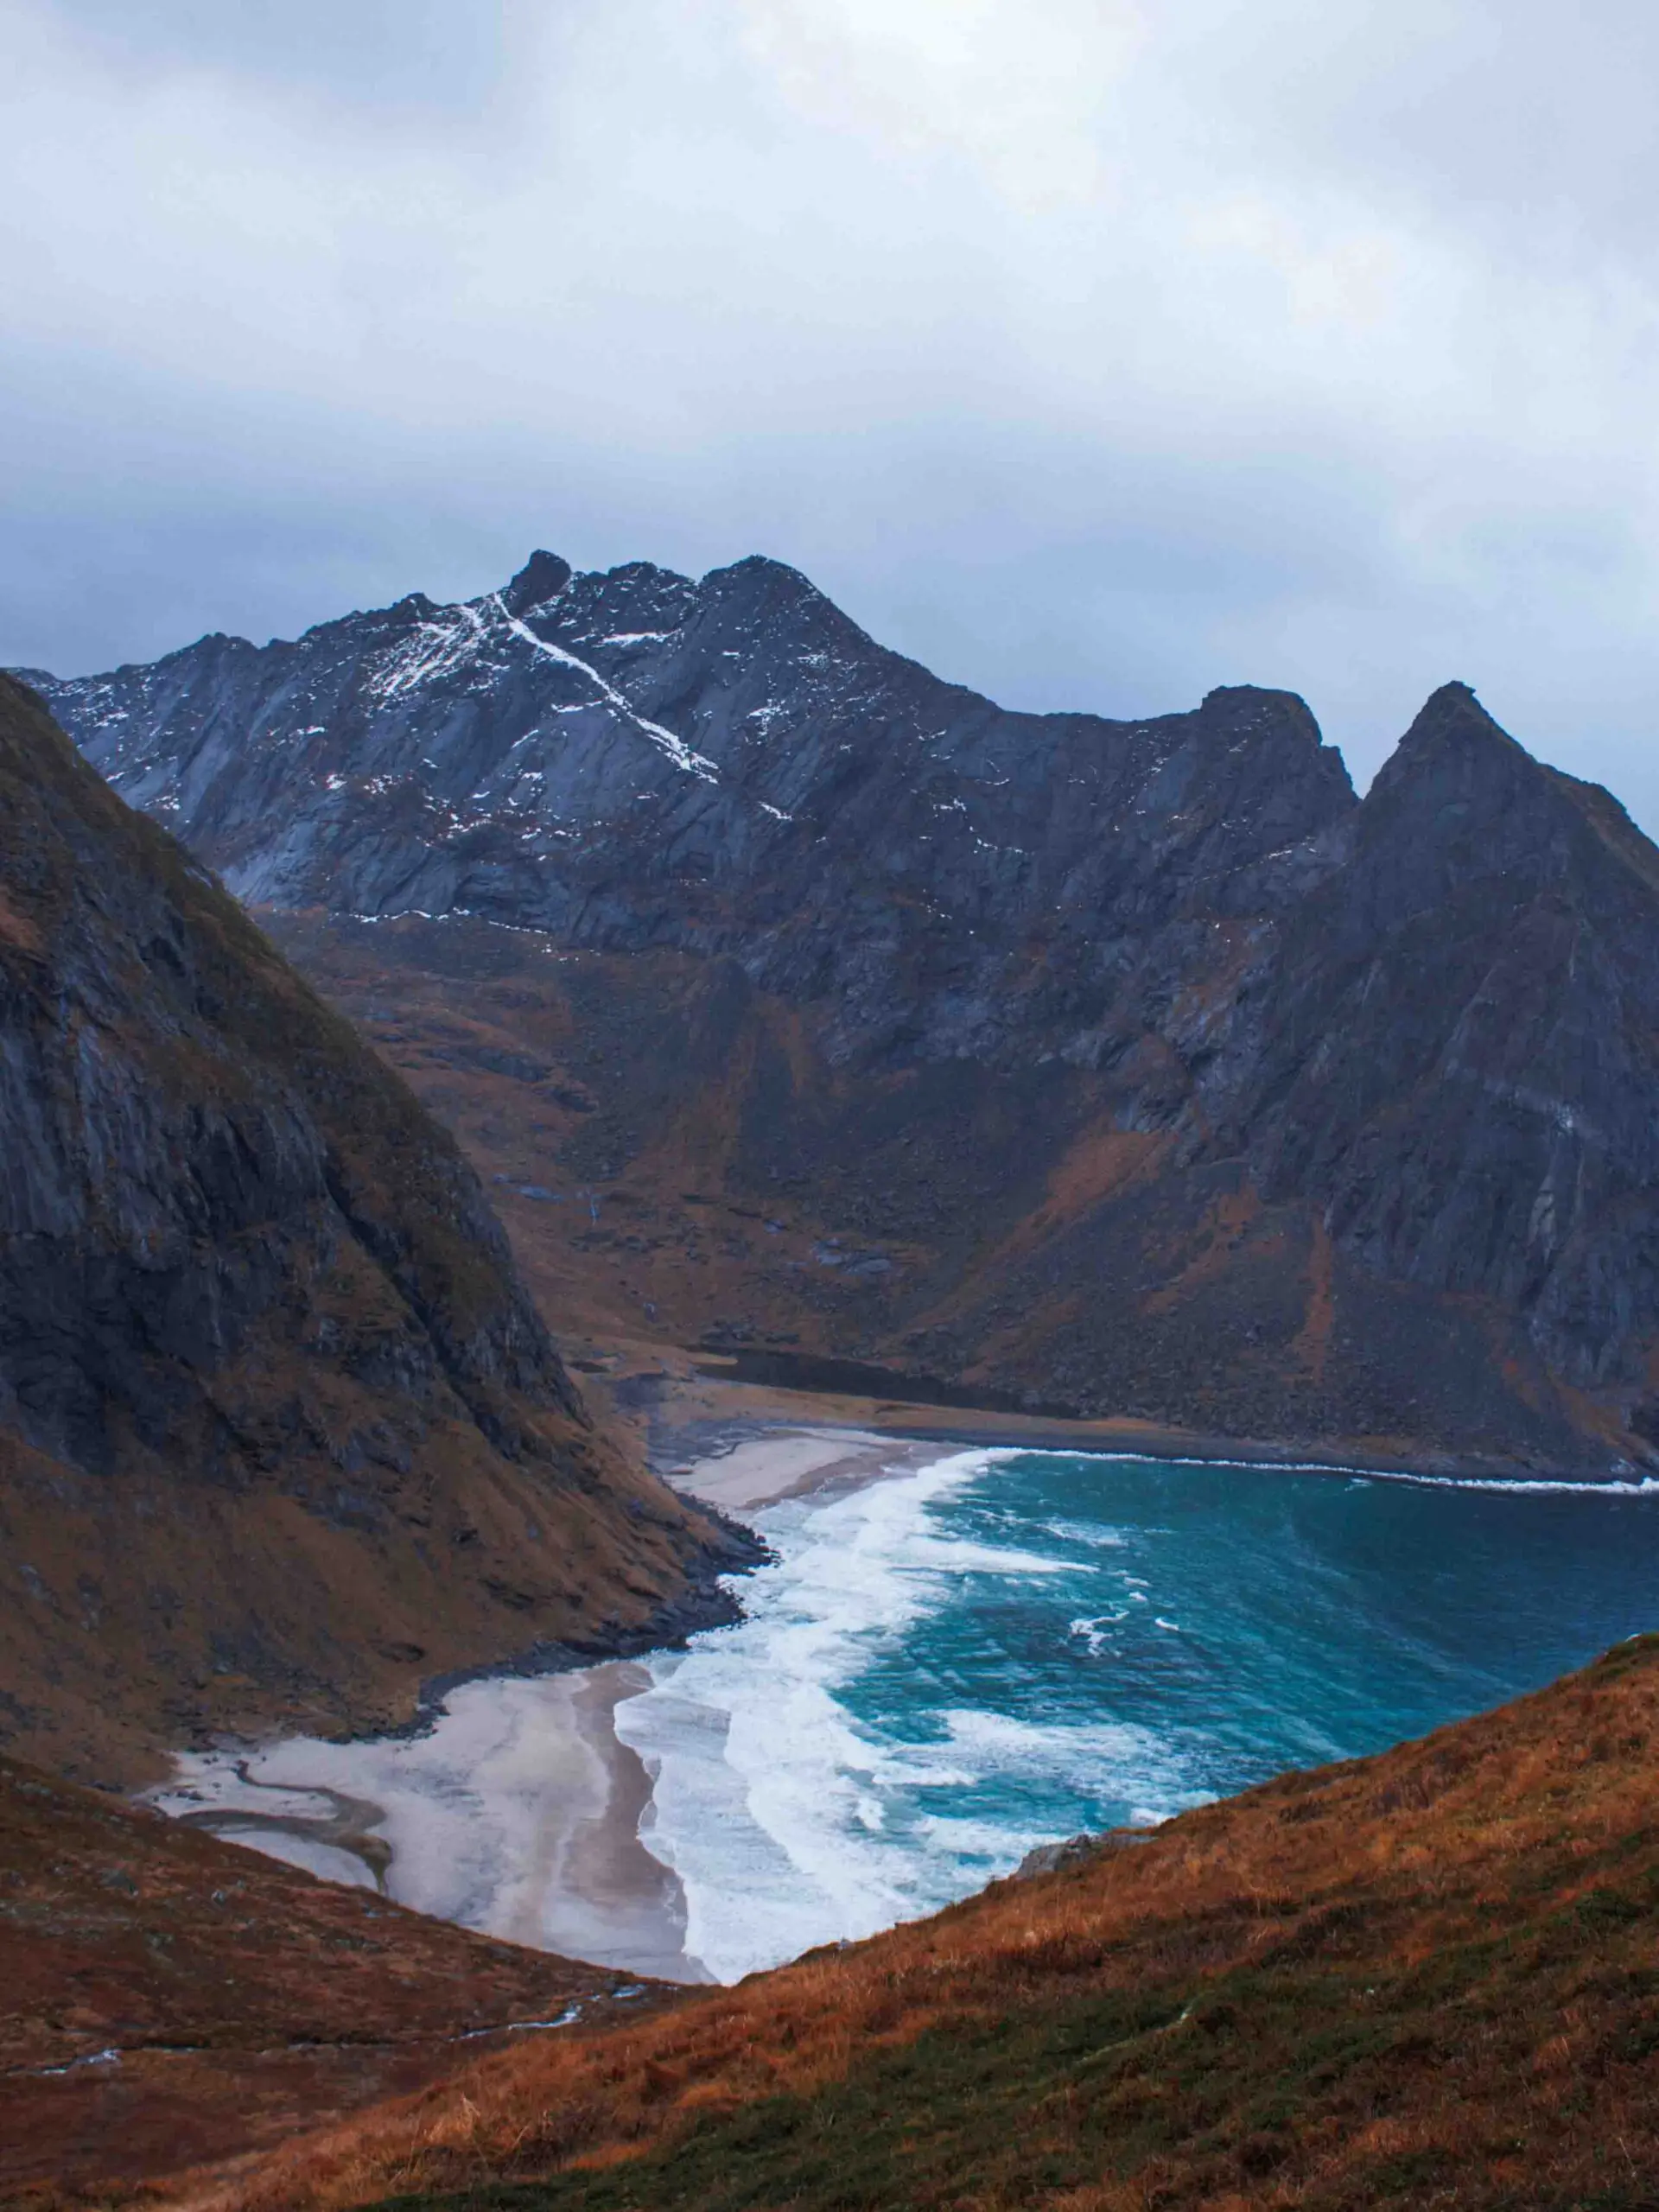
x,y
829,1107
670,1039
1131,1068
682,1165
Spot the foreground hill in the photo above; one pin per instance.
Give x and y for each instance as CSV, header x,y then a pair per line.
x,y
170,1997
281,1432
1134,1067
1425,1978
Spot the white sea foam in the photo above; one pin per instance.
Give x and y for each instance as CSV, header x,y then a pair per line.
x,y
1521,1485
791,1818
1092,1533
1094,1631
790,1823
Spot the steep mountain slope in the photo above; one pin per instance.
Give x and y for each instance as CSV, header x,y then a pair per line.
x,y
280,1430
170,1997
1131,1067
1422,1979
729,766
1458,1049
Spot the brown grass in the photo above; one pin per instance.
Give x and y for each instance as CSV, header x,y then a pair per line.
x,y
245,1999
1313,1342
1426,1977
1228,1221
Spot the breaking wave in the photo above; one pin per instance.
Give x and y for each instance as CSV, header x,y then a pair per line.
x,y
950,1665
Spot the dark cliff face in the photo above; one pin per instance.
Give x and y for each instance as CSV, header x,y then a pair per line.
x,y
1250,1105
729,768
1457,1055
186,1126
276,1416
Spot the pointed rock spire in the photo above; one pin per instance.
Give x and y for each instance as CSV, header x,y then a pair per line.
x,y
543,576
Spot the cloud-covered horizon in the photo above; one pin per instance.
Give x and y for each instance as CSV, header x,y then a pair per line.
x,y
1093,352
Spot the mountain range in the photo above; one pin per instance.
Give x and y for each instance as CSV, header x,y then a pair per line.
x,y
1124,1068
796,1007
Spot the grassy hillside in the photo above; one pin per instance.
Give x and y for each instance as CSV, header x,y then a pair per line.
x,y
1424,1978
281,1431
170,1997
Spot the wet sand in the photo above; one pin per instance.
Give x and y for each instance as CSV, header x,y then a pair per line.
x,y
519,1811
782,1462
591,1889
324,1842
517,1814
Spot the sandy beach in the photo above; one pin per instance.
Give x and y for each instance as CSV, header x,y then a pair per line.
x,y
783,1462
519,1811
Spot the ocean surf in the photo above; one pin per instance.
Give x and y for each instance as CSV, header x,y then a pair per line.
x,y
944,1667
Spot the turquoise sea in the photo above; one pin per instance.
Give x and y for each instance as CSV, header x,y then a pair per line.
x,y
950,1665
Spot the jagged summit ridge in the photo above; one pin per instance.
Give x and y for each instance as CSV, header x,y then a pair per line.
x,y
731,764
1234,1099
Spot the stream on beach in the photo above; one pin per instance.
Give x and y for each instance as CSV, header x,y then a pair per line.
x,y
943,1669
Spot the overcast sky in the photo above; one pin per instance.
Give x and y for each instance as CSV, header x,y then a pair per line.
x,y
1094,352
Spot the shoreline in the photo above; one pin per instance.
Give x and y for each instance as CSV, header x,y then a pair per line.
x,y
518,1814
782,1459
511,1803
1459,1474
535,1743
700,1391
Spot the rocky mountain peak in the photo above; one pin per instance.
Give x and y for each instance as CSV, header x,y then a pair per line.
x,y
543,578
1280,727
1460,803
1413,1031
1240,700
759,580
635,754
1452,734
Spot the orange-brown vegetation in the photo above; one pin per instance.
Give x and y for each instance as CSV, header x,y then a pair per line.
x,y
1000,1229
1313,1341
281,1432
1225,1226
168,1997
1423,1979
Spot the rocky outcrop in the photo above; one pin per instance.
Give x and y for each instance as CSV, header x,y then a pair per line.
x,y
1149,1070
1455,1050
281,1431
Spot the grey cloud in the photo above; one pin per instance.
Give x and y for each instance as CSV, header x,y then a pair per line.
x,y
1301,344
427,53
